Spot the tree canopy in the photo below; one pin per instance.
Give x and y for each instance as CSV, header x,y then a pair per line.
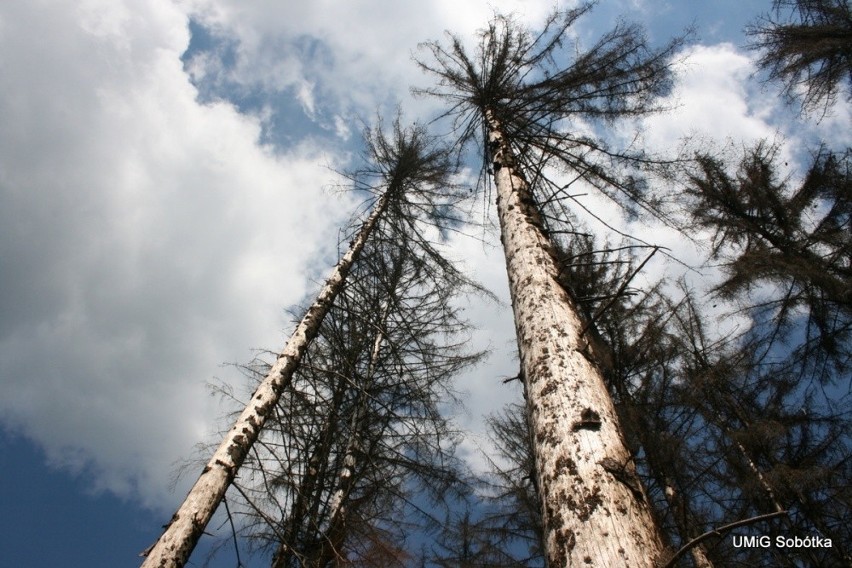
x,y
807,46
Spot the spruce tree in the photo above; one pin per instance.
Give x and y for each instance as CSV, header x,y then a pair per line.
x,y
522,98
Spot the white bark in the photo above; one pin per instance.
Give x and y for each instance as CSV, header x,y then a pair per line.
x,y
675,503
186,526
761,479
337,506
594,511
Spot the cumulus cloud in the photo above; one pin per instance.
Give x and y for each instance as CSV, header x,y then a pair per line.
x,y
145,239
713,98
353,62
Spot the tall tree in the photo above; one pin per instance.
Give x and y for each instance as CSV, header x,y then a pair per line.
x,y
808,49
643,356
360,429
719,437
787,253
765,443
777,398
502,528
720,434
413,171
513,513
530,112
463,544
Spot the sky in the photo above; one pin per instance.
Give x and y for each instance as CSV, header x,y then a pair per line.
x,y
168,191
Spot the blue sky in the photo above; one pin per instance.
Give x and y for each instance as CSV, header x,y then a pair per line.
x,y
166,193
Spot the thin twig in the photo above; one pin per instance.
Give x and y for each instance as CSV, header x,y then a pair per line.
x,y
618,293
233,531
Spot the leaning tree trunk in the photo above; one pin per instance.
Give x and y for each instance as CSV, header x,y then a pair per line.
x,y
338,502
594,510
332,537
305,504
676,504
186,526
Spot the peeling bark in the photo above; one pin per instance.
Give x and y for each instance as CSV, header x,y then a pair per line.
x,y
181,535
591,516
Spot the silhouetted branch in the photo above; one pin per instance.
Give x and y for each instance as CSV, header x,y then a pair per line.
x,y
717,532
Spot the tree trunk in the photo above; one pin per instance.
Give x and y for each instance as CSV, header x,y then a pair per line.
x,y
676,504
337,501
331,538
186,526
594,510
303,513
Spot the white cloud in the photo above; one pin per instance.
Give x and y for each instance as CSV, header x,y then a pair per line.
x,y
305,94
360,58
482,255
712,98
145,239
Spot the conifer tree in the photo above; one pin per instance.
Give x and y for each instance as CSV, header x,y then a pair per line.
x,y
721,435
359,429
528,110
807,46
408,177
513,513
775,397
795,240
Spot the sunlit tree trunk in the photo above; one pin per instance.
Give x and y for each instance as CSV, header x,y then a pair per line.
x,y
334,533
594,511
305,509
338,498
186,526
